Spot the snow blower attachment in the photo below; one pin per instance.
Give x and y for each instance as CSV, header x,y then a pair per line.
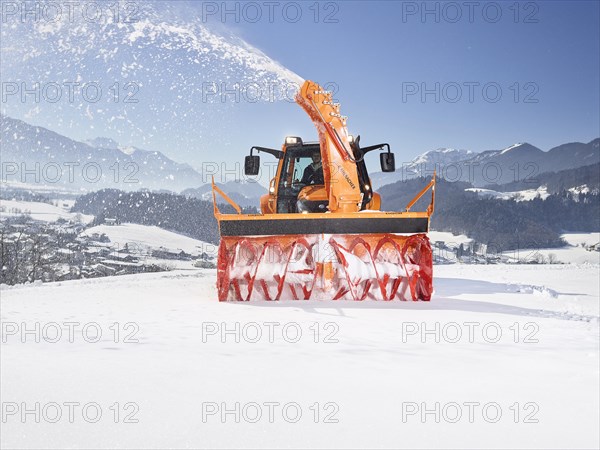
x,y
320,234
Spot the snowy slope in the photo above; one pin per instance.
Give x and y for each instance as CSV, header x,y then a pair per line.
x,y
530,161
422,165
39,211
573,253
518,196
518,162
586,239
26,145
449,238
163,56
51,190
577,251
372,368
150,237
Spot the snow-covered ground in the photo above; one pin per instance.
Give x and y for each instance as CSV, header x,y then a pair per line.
x,y
575,252
448,238
49,189
583,189
151,237
518,196
44,212
370,369
579,239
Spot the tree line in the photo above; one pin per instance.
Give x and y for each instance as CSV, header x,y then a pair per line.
x,y
500,224
185,215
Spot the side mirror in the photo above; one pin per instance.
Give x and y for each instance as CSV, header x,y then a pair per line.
x,y
252,165
388,162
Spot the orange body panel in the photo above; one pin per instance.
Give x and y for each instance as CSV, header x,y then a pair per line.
x,y
267,204
313,193
375,203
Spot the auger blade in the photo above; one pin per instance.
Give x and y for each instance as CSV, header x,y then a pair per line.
x,y
325,267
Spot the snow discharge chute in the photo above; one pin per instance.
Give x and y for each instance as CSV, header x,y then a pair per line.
x,y
320,233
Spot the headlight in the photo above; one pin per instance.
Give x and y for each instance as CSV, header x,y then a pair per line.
x,y
292,140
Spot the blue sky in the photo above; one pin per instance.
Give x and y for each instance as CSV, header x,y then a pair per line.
x,y
371,52
543,58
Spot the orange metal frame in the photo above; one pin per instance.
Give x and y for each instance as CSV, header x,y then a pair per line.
x,y
405,214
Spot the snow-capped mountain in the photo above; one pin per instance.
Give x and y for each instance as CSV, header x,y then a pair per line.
x,y
442,155
422,165
158,70
36,155
524,161
103,142
517,162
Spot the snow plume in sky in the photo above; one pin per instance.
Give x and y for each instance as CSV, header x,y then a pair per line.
x,y
138,72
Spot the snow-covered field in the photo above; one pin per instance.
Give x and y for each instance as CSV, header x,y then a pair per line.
x,y
43,189
44,212
151,237
508,356
577,250
574,253
449,238
579,239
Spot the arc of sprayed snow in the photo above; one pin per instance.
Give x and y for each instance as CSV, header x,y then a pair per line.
x,y
204,41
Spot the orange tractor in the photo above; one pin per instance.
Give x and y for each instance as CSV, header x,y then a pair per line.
x,y
320,233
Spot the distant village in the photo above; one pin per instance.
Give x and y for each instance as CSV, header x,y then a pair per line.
x,y
32,250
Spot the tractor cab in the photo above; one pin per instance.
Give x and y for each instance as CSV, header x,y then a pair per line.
x,y
299,186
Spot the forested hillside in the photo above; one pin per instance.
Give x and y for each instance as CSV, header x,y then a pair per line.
x,y
556,182
188,216
504,224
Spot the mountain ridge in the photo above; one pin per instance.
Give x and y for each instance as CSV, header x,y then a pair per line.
x,y
518,162
56,159
132,168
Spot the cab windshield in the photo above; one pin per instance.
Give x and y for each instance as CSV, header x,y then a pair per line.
x,y
301,167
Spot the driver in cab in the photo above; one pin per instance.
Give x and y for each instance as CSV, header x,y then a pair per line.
x,y
313,174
